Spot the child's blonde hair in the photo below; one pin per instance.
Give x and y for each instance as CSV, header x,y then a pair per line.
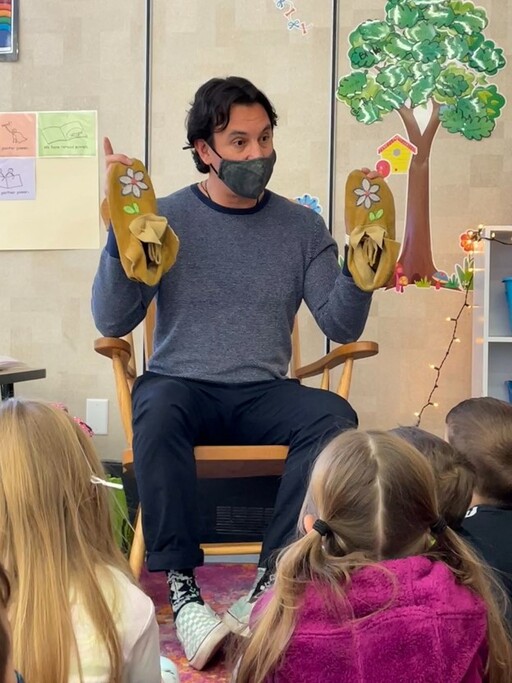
x,y
5,641
454,474
377,494
481,428
55,533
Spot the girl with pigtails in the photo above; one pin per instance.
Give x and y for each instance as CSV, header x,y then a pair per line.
x,y
377,589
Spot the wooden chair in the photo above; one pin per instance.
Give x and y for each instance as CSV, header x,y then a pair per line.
x,y
220,461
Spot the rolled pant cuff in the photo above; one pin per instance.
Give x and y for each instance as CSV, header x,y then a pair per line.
x,y
163,561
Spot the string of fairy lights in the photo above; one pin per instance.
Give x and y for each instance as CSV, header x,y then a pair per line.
x,y
475,236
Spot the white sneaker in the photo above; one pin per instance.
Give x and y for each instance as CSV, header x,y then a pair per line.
x,y
201,633
169,671
237,616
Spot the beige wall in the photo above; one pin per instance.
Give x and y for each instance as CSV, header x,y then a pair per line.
x,y
73,55
90,55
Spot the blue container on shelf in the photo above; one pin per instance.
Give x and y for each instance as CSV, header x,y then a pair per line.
x,y
509,389
507,281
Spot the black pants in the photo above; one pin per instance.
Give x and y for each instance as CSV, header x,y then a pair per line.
x,y
172,415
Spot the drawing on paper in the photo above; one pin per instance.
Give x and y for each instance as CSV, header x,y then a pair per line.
x,y
17,179
16,135
10,180
64,133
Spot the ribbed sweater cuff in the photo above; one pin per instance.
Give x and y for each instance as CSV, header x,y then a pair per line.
x,y
111,245
345,269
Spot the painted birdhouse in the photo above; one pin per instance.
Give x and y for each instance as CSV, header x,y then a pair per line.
x,y
398,152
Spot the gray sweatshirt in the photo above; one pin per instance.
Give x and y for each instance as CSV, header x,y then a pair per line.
x,y
225,310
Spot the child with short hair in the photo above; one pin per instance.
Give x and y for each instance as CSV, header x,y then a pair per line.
x,y
378,589
454,474
77,614
481,428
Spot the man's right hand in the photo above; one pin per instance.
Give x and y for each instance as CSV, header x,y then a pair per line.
x,y
111,159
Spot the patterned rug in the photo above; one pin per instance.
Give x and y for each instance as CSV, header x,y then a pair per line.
x,y
221,585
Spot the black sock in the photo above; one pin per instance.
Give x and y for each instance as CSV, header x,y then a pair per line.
x,y
182,589
265,581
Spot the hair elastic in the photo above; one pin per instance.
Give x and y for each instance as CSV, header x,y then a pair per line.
x,y
94,479
439,526
104,482
321,527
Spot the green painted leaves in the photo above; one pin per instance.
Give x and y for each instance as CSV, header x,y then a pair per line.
x,y
473,127
392,76
475,116
374,31
375,215
468,18
402,16
455,47
387,100
397,47
491,100
366,112
361,58
421,31
426,50
440,16
131,208
351,85
453,83
487,58
421,91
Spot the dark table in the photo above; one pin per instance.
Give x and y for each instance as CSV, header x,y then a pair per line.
x,y
19,373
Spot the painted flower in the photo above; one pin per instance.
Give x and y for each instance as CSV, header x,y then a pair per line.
x,y
467,240
310,202
132,183
367,194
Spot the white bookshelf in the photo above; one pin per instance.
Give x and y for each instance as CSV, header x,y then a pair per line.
x,y
492,332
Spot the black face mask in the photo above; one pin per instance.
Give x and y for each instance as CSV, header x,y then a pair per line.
x,y
246,178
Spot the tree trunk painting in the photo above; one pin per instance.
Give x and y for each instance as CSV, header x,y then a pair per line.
x,y
416,254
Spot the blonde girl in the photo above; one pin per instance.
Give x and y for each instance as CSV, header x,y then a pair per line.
x,y
76,613
378,589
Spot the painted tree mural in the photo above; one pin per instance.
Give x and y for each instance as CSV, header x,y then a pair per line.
x,y
424,54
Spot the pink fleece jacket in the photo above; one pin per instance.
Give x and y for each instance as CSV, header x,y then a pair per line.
x,y
434,630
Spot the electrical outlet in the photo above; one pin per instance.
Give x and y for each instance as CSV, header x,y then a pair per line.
x,y
96,415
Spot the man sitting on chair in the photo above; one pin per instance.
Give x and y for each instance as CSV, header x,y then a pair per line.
x,y
222,345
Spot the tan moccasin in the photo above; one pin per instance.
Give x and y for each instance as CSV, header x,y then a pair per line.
x,y
148,246
370,225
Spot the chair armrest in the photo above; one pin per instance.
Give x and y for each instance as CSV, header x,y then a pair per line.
x,y
114,346
120,352
354,350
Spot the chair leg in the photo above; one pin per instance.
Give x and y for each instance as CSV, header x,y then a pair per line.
x,y
138,550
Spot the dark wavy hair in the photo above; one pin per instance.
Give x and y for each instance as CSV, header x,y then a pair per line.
x,y
210,110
